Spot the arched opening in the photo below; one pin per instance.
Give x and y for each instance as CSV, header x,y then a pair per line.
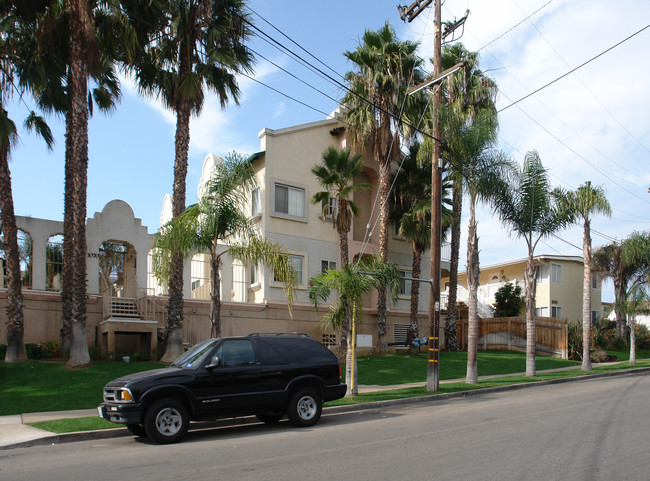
x,y
25,250
117,269
54,263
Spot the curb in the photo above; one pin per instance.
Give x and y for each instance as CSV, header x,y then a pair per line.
x,y
348,408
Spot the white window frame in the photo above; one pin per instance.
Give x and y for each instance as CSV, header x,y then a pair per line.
x,y
556,273
405,285
299,194
254,275
541,311
300,275
594,280
325,264
332,208
542,274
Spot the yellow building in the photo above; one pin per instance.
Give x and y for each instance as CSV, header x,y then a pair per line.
x,y
559,286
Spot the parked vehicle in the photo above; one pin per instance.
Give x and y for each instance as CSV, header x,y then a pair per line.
x,y
265,374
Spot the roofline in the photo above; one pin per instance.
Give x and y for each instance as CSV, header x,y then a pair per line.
x,y
297,128
540,258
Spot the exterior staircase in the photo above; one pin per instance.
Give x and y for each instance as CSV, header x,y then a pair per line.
x,y
125,308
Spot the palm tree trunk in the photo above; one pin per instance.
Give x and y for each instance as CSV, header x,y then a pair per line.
x,y
15,326
344,259
530,280
632,326
175,306
472,285
215,295
79,153
586,299
384,190
451,330
414,328
67,272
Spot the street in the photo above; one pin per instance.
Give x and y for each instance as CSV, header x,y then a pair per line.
x,y
587,430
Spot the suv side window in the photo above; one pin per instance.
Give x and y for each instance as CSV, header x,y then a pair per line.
x,y
236,352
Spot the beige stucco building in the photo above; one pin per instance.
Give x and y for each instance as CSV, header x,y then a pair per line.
x,y
559,285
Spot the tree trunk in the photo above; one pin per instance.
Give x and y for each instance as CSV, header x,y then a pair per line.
x,y
384,190
15,326
472,285
79,356
632,326
67,272
531,284
586,299
215,295
344,258
182,144
414,328
451,336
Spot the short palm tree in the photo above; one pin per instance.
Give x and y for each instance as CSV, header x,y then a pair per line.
x,y
530,208
336,174
198,46
219,224
352,281
584,202
384,69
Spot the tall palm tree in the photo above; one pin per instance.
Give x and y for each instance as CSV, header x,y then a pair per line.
x,y
530,208
469,98
18,25
352,281
198,47
336,174
384,68
584,202
218,224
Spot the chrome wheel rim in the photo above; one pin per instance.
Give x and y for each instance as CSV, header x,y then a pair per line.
x,y
169,421
307,407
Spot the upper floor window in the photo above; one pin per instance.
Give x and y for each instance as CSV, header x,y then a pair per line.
x,y
542,274
405,284
297,265
255,274
324,265
256,206
594,281
330,210
556,273
289,200
556,311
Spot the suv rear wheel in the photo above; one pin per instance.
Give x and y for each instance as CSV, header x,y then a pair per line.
x,y
166,421
305,407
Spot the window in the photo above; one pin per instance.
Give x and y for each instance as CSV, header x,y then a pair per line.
x,y
236,352
330,210
541,311
324,265
556,311
289,200
256,206
594,281
405,284
297,266
542,274
556,273
595,317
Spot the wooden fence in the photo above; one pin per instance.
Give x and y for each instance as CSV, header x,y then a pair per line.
x,y
551,335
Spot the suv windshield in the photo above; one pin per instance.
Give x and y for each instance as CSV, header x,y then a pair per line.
x,y
196,355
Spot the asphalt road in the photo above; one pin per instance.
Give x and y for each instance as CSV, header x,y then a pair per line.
x,y
587,430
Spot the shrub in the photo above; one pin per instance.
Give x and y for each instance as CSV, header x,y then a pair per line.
x,y
508,300
3,351
34,351
606,339
575,341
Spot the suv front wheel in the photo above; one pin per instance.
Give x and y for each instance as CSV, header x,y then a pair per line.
x,y
305,407
166,421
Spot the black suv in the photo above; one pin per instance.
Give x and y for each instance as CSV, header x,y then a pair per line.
x,y
266,374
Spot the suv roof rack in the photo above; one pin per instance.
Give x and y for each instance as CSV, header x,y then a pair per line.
x,y
297,334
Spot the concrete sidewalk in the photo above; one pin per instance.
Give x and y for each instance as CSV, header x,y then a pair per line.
x,y
15,431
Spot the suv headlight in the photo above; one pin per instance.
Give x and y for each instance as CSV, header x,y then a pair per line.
x,y
119,395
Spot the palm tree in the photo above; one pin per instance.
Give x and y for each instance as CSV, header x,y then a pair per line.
x,y
385,67
198,46
584,202
636,302
352,281
18,24
336,174
628,264
469,99
218,224
529,207
411,209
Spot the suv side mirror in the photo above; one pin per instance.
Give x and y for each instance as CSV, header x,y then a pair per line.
x,y
216,362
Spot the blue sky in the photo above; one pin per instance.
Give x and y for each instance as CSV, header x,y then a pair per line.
x,y
591,125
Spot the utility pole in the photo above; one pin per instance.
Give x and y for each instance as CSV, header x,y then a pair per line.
x,y
409,13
